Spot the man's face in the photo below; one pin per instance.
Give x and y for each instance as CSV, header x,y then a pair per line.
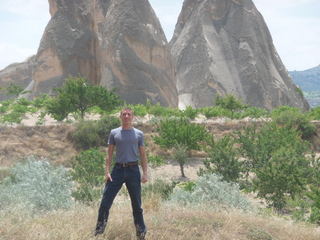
x,y
126,116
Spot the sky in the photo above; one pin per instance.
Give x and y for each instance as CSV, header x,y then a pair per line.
x,y
294,27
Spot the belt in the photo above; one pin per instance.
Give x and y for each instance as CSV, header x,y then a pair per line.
x,y
127,164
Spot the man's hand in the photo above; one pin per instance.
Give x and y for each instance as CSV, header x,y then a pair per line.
x,y
108,177
144,178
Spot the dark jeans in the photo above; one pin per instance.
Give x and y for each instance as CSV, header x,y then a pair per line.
x,y
131,177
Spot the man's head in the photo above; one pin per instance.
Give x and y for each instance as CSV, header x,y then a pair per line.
x,y
126,116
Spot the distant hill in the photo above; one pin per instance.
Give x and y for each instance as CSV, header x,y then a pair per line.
x,y
309,81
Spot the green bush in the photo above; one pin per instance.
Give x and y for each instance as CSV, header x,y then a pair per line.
x,y
89,173
212,191
174,131
252,112
155,160
38,186
41,101
223,160
189,112
210,112
86,135
13,117
89,134
295,119
105,125
157,110
158,187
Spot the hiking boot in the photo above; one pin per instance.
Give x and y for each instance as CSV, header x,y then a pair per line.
x,y
100,228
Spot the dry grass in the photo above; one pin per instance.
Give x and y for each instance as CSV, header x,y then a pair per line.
x,y
163,221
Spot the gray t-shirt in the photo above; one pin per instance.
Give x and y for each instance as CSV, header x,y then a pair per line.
x,y
127,144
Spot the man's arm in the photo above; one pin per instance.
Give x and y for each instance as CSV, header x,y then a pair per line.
x,y
108,162
144,164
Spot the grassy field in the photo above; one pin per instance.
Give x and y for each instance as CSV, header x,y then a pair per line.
x,y
164,221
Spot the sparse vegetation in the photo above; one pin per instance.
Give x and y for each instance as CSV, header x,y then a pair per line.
x,y
254,158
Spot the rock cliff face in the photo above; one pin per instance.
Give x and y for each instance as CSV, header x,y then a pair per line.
x,y
224,46
69,45
115,43
19,74
218,47
135,54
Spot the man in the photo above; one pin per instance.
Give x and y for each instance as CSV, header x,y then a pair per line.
x,y
128,142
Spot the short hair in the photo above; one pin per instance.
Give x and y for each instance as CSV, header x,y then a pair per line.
x,y
127,108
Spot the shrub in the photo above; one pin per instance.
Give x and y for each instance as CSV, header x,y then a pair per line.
x,y
158,187
41,101
86,135
38,186
295,119
189,112
212,191
89,173
173,131
210,112
223,160
89,134
155,160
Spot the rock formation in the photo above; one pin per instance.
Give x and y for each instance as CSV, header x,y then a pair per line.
x,y
114,43
69,45
224,47
19,74
135,55
219,47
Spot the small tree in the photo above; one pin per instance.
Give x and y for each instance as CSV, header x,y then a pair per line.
x,y
230,103
15,90
182,135
77,94
180,154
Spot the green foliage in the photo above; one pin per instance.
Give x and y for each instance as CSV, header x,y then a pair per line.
x,y
188,186
158,187
157,110
299,91
89,173
277,111
292,118
217,111
15,90
252,112
86,135
230,103
223,160
155,161
38,186
173,131
191,113
314,113
277,156
180,155
90,133
77,94
12,117
284,175
314,195
41,101
212,191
